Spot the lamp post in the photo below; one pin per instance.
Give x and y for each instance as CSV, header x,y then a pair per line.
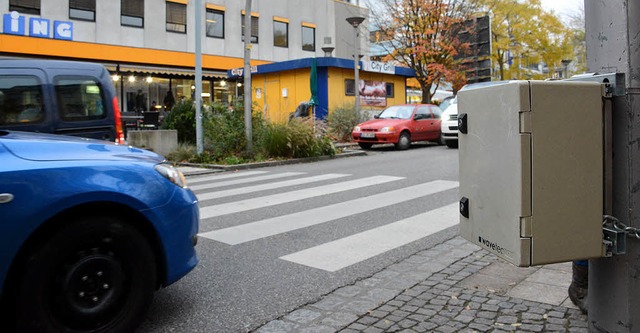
x,y
355,22
565,66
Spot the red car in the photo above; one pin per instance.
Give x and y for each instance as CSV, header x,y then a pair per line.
x,y
400,125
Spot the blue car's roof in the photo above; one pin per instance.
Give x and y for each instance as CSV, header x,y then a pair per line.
x,y
50,147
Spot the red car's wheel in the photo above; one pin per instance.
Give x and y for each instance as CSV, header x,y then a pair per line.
x,y
404,141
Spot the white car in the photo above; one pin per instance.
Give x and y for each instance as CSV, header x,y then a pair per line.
x,y
449,125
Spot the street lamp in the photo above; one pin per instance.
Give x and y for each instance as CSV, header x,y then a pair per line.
x,y
565,66
355,22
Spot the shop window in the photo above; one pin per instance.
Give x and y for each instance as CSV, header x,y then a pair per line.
x,y
82,10
132,13
254,29
389,87
25,6
349,87
280,33
176,17
308,38
215,23
79,99
20,100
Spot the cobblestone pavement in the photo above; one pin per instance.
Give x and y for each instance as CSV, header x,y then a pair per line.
x,y
435,291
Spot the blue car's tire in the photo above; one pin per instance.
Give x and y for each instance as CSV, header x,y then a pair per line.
x,y
96,274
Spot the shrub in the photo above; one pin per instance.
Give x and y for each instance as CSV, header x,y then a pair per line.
x,y
183,153
182,118
224,130
342,120
295,139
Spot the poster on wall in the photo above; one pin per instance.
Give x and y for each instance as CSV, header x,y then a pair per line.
x,y
373,93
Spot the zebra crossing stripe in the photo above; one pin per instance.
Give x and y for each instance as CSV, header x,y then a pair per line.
x,y
276,199
281,224
245,180
350,250
226,175
270,186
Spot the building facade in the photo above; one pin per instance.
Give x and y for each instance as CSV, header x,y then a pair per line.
x,y
279,88
149,45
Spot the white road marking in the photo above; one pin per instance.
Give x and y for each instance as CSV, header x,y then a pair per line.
x,y
281,224
276,199
350,250
226,175
245,180
270,186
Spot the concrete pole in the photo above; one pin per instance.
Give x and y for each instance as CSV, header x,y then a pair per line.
x,y
247,76
356,69
612,29
198,93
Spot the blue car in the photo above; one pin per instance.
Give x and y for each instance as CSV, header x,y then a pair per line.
x,y
88,231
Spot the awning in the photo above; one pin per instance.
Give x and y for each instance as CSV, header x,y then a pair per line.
x,y
164,70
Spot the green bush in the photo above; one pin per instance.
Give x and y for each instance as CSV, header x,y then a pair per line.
x,y
224,131
294,139
182,118
183,153
342,120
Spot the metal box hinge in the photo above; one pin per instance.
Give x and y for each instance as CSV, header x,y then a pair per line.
x,y
525,227
525,122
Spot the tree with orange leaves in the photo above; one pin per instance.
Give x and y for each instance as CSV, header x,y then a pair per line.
x,y
423,35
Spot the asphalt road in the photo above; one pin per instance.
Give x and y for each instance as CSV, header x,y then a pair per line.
x,y
247,277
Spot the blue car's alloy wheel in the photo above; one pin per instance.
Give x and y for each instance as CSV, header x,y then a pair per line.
x,y
95,274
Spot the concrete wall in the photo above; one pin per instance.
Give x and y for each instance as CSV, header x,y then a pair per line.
x,y
160,141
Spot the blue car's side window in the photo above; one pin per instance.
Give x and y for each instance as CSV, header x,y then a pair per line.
x,y
20,100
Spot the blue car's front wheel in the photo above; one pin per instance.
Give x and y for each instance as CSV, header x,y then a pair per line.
x,y
96,274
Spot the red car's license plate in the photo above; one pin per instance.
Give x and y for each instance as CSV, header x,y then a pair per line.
x,y
368,135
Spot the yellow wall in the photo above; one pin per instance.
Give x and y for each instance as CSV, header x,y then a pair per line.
x,y
276,108
337,97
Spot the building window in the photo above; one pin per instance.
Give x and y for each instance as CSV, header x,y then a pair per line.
x,y
132,13
82,10
389,87
308,38
280,33
176,17
25,6
349,87
254,29
215,23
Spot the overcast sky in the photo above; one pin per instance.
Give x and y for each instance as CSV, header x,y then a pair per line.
x,y
563,7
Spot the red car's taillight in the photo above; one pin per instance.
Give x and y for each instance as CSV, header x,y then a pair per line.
x,y
116,113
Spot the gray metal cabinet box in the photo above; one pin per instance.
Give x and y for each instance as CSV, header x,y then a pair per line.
x,y
531,170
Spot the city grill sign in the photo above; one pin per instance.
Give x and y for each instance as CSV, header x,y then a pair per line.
x,y
378,67
15,24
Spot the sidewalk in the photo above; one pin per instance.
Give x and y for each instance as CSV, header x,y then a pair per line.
x,y
452,287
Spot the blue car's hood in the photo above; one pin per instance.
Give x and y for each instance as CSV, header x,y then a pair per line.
x,y
49,147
